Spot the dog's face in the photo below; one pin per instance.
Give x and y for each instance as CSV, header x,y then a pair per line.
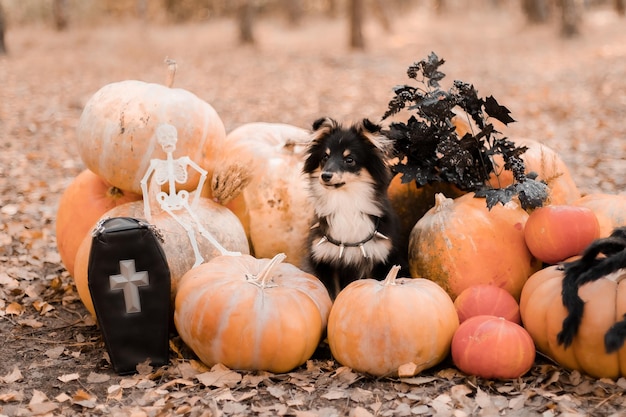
x,y
338,157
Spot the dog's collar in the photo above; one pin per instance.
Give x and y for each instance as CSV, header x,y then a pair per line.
x,y
323,225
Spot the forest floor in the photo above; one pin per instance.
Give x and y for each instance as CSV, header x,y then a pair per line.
x,y
569,94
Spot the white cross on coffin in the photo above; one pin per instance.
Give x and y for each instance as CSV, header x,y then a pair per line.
x,y
129,281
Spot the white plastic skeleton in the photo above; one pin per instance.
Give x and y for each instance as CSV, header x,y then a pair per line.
x,y
174,171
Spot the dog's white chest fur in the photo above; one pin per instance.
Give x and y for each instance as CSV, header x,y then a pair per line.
x,y
347,212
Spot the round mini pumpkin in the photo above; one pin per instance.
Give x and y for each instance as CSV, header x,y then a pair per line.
x,y
251,314
376,327
262,163
82,203
460,243
582,339
610,209
116,131
215,218
482,299
554,233
493,348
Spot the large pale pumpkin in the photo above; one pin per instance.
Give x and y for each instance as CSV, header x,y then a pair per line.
x,y
603,301
549,167
116,131
377,327
460,243
263,162
217,219
83,202
610,210
253,314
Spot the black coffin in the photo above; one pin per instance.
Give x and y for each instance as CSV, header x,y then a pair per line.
x,y
129,282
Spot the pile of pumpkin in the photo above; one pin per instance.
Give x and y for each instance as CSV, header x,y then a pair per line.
x,y
261,311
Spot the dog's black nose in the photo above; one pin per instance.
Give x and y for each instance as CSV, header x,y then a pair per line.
x,y
327,176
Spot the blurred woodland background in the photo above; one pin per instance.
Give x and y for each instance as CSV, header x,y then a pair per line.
x,y
566,15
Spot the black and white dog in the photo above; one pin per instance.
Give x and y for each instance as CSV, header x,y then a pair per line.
x,y
354,230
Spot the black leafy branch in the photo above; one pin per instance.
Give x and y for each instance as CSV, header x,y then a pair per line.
x,y
429,149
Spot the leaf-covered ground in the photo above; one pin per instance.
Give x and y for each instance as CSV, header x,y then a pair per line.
x,y
570,94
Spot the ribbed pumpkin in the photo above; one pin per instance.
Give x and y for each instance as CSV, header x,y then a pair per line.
x,y
595,348
262,162
217,219
82,203
460,243
610,209
492,347
116,129
375,326
549,167
252,314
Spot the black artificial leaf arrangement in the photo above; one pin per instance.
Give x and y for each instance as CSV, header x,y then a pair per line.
x,y
429,150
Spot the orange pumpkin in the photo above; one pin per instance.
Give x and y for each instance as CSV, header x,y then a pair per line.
x,y
215,218
556,232
492,347
375,327
603,302
460,243
479,300
253,314
262,162
610,209
83,202
549,167
116,131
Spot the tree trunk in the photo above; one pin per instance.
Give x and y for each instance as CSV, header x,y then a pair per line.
x,y
59,12
246,16
3,49
570,18
381,10
294,11
357,41
536,11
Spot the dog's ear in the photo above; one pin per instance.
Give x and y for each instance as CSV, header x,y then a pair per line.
x,y
323,126
372,132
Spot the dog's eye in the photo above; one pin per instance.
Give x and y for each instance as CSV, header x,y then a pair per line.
x,y
348,160
324,159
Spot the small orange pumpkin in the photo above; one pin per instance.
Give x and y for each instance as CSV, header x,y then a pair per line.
x,y
83,202
460,243
492,347
252,314
215,218
375,327
479,300
556,232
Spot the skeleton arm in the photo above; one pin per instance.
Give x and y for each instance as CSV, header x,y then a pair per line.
x,y
203,175
144,190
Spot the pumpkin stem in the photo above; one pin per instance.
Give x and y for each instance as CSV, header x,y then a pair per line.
x,y
441,201
390,279
171,72
115,192
264,278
